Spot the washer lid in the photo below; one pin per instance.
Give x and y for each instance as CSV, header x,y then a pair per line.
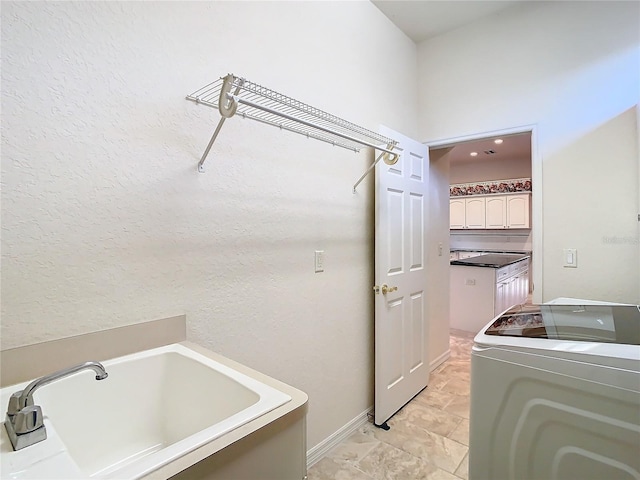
x,y
619,324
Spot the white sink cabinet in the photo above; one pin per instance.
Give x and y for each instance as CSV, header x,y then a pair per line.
x,y
168,409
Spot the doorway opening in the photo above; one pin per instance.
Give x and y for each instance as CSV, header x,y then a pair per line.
x,y
491,163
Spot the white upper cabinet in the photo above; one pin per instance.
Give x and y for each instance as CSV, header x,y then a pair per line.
x,y
457,213
491,211
475,210
466,213
496,212
519,211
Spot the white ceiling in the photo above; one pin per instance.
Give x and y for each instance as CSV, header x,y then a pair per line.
x,y
423,19
513,147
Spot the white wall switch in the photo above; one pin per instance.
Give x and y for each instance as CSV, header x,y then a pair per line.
x,y
570,258
319,261
470,281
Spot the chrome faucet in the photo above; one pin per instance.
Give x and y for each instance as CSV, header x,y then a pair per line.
x,y
24,421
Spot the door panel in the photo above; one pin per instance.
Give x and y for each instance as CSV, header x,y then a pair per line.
x,y
417,334
417,233
401,329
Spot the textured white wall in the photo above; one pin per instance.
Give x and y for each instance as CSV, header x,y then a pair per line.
x,y
106,222
438,263
573,70
466,172
493,240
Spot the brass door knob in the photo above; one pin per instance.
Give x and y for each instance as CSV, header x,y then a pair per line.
x,y
384,289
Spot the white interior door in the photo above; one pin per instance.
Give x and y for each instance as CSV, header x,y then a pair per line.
x,y
401,328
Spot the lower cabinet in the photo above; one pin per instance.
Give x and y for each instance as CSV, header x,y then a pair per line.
x,y
274,452
478,294
512,286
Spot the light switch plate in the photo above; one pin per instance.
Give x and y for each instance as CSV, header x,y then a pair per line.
x,y
319,261
570,258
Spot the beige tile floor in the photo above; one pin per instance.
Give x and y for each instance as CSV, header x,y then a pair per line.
x,y
428,439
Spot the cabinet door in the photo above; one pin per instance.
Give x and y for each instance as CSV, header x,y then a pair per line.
x,y
475,212
523,278
457,213
496,212
500,302
518,215
511,294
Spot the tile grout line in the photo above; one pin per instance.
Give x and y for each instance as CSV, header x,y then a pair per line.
x,y
453,369
427,461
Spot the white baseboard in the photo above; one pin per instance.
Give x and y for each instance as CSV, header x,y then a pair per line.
x,y
436,362
318,452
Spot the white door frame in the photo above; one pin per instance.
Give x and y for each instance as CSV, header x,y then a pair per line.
x,y
536,186
638,137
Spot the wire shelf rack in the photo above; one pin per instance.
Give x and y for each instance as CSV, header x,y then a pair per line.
x,y
233,95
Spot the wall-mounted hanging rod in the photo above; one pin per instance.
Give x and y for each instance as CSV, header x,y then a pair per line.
x,y
235,95
390,158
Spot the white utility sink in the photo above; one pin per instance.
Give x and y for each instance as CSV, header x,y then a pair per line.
x,y
154,407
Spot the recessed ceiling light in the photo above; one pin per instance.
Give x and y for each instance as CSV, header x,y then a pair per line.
x,y
497,141
474,154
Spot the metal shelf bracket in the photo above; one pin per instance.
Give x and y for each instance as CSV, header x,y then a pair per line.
x,y
231,94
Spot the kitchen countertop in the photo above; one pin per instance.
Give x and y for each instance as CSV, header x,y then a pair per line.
x,y
514,252
492,260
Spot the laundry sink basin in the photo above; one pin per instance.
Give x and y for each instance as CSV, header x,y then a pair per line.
x,y
154,407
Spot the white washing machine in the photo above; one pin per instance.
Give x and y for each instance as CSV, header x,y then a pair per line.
x,y
555,394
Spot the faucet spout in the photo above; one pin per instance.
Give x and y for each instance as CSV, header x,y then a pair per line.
x,y
26,397
24,421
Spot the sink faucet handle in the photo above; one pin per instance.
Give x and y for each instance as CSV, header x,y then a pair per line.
x,y
14,403
28,419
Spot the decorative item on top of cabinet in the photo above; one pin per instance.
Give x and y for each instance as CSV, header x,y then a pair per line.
x,y
513,185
